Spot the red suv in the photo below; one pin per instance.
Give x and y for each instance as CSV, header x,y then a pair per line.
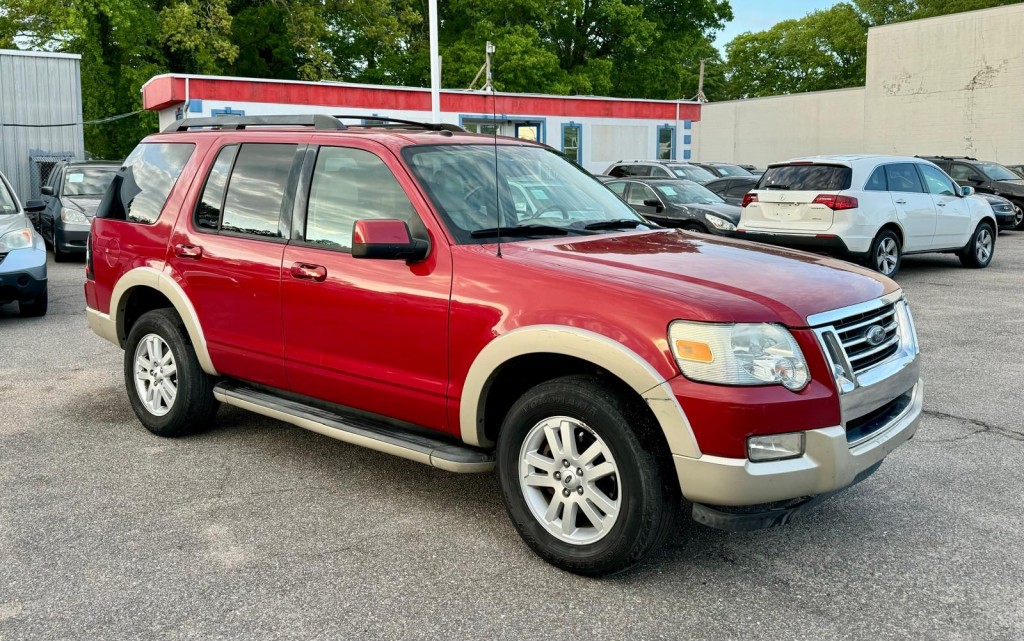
x,y
470,302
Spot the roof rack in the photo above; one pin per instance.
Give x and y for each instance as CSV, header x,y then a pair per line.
x,y
398,123
949,157
317,121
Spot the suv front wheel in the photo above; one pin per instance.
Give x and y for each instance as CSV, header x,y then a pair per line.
x,y
169,391
581,489
980,249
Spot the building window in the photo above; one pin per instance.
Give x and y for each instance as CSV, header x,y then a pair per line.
x,y
572,135
486,128
666,143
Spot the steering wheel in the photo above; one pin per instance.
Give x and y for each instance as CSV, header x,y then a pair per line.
x,y
540,213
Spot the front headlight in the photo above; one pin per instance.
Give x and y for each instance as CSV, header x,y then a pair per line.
x,y
738,354
73,216
18,239
719,223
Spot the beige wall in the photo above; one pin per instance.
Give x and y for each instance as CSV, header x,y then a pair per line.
x,y
949,85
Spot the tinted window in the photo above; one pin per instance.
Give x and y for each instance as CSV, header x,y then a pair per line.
x,y
208,211
88,181
142,185
350,185
877,180
666,137
620,172
731,170
256,190
806,178
936,182
638,193
685,192
997,172
964,172
692,172
618,188
903,177
740,189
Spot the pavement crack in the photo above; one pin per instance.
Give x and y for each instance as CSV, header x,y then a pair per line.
x,y
982,428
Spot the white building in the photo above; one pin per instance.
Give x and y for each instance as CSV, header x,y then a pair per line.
x,y
594,132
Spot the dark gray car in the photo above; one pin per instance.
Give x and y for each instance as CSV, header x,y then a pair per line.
x,y
678,203
732,190
72,194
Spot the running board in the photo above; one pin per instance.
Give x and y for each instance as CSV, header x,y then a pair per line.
x,y
357,430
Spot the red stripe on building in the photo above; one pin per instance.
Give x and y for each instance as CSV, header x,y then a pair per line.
x,y
160,93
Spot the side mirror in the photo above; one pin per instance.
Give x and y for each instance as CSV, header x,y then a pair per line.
x,y
387,238
35,205
654,202
966,191
46,190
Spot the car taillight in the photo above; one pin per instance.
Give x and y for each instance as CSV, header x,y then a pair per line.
x,y
748,198
836,202
88,258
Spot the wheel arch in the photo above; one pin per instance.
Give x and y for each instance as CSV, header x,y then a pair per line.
x,y
154,287
559,347
897,229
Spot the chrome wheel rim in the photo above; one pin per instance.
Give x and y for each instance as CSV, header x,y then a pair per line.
x,y
570,480
887,255
1019,215
984,245
156,375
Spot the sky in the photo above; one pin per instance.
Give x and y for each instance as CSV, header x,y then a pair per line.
x,y
758,15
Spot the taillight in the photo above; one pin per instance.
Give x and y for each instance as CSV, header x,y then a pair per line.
x,y
749,197
836,202
88,257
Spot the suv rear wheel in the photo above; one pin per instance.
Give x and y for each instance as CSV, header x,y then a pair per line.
x,y
169,391
581,489
886,253
980,249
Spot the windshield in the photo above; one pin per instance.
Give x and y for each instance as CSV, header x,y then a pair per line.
x,y
997,172
732,170
6,200
535,187
680,192
88,181
692,172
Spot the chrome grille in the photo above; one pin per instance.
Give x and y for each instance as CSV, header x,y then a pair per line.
x,y
852,332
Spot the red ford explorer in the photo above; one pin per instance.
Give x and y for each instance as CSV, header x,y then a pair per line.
x,y
472,303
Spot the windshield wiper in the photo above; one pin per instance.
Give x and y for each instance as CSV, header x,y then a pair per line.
x,y
520,230
619,223
777,187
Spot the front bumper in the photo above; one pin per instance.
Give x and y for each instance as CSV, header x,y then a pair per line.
x,y
1006,220
23,273
71,239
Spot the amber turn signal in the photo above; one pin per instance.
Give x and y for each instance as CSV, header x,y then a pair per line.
x,y
694,351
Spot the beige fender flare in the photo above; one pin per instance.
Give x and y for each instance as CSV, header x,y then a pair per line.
x,y
166,285
598,349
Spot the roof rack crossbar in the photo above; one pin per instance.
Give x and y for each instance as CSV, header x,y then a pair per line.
x,y
317,121
387,121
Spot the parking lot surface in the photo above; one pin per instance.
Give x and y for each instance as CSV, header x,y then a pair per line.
x,y
260,530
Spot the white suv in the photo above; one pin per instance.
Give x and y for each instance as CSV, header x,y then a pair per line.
x,y
872,208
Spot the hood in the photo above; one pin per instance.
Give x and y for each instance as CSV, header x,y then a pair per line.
x,y
1015,187
725,210
713,278
85,204
11,222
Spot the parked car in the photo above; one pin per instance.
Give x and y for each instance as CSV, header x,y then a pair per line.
x,y
659,169
678,203
1008,215
1017,169
871,208
753,169
985,177
732,190
22,255
722,169
382,288
72,194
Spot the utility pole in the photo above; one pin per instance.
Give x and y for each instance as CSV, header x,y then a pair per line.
x,y
700,84
435,64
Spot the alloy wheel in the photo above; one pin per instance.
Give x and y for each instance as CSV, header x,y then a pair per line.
x,y
570,480
983,245
156,375
887,256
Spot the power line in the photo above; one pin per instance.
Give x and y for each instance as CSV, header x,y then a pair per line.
x,y
98,121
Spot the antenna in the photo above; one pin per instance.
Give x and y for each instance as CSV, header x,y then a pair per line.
x,y
494,119
700,97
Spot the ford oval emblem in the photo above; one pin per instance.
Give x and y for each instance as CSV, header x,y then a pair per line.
x,y
875,335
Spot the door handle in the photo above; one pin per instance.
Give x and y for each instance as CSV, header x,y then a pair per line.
x,y
941,204
900,201
195,252
306,271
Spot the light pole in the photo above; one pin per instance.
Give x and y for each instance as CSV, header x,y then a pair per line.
x,y
435,66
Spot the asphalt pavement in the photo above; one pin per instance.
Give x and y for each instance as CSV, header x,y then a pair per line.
x,y
260,530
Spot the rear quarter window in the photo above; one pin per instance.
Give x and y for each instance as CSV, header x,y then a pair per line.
x,y
806,178
142,184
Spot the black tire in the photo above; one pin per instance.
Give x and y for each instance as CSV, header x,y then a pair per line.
x,y
35,307
59,256
194,406
648,491
886,253
1019,217
974,255
695,227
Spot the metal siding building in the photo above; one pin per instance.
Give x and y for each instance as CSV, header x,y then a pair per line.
x,y
40,115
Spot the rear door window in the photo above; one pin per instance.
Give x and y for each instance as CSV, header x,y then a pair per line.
x,y
806,178
256,190
212,201
877,180
903,177
142,185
